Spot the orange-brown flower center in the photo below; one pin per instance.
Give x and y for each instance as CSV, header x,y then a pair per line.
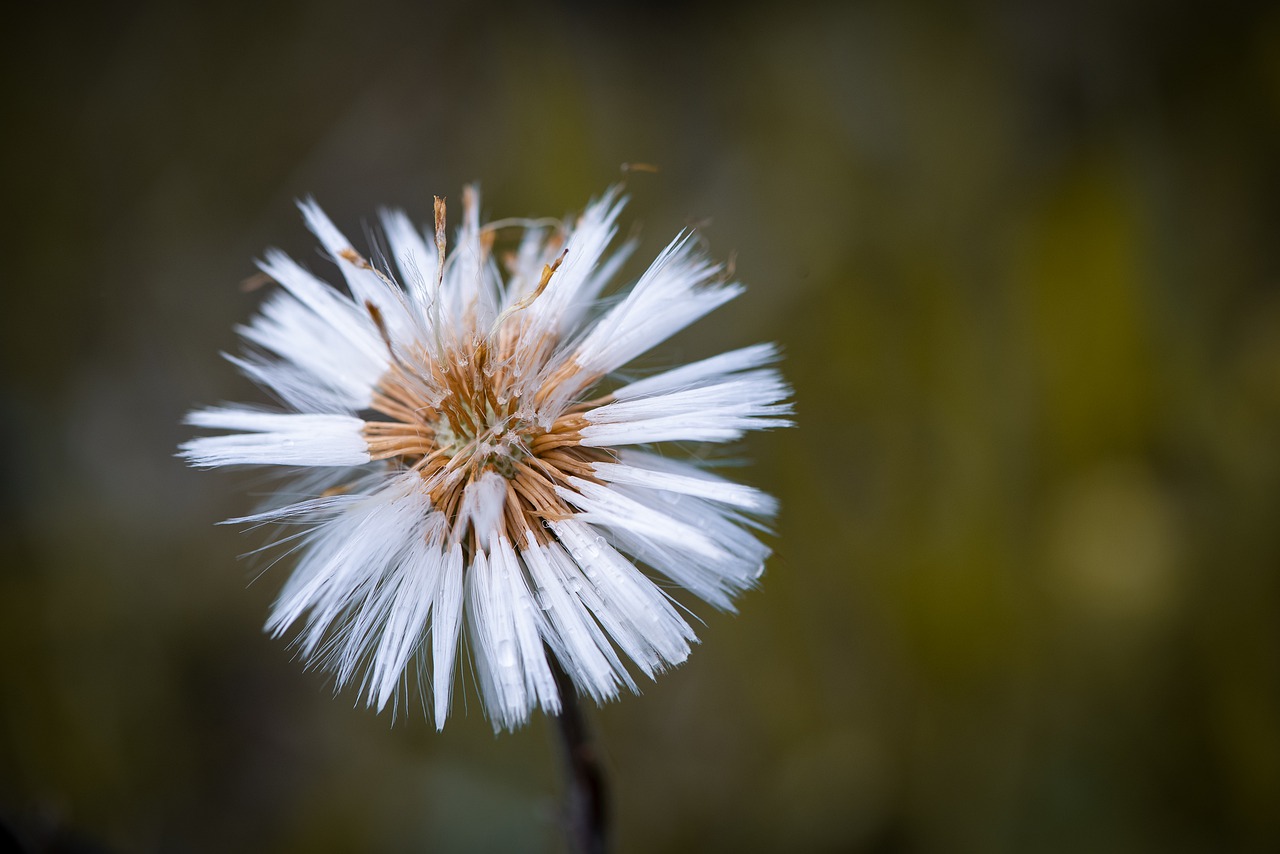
x,y
453,418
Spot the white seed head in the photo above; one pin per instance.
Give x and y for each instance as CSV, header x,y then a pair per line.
x,y
476,478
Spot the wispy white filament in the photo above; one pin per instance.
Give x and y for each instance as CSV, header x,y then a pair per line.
x,y
716,412
637,469
276,439
699,373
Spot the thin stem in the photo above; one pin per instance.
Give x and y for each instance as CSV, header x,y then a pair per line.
x,y
586,795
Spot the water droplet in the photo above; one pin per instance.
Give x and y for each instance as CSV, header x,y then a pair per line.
x,y
758,572
506,656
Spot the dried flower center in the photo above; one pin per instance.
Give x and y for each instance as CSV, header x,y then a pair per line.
x,y
499,442
453,418
458,412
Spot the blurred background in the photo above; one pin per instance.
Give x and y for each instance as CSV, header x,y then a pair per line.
x,y
1023,259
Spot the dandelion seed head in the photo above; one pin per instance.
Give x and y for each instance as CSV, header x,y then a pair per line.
x,y
496,491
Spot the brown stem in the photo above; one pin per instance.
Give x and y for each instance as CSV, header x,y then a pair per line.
x,y
587,803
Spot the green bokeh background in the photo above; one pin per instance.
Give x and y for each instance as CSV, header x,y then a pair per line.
x,y
1023,259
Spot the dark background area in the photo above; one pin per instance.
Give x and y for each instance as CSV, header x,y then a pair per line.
x,y
1023,259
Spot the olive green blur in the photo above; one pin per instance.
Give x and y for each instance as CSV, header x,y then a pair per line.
x,y
1023,258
